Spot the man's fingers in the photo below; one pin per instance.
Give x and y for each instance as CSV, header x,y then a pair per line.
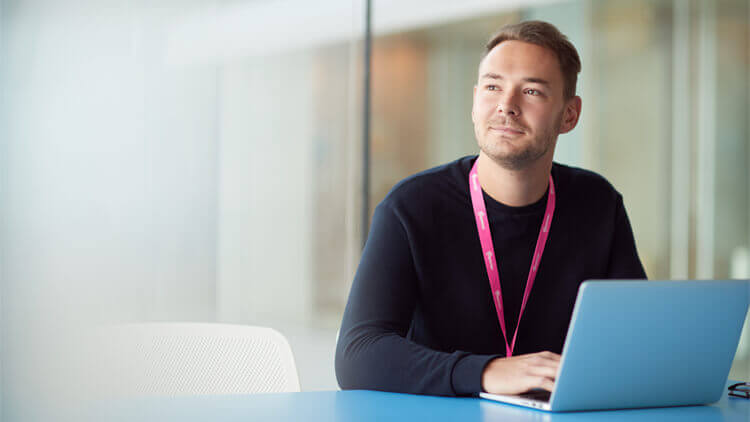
x,y
542,361
543,371
539,382
541,355
550,356
547,384
521,373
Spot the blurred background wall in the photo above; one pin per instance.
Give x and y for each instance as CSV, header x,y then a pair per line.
x,y
201,160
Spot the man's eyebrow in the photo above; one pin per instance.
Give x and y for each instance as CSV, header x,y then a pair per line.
x,y
490,76
530,79
537,81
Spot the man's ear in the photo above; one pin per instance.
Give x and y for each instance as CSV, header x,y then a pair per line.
x,y
571,114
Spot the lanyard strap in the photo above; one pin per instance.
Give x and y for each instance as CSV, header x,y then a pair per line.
x,y
488,251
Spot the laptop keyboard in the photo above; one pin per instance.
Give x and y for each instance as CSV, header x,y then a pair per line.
x,y
538,395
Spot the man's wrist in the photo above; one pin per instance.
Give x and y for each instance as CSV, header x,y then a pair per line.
x,y
467,374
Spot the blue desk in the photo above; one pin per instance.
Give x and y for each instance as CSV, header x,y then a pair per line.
x,y
378,406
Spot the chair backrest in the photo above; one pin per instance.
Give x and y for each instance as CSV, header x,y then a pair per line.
x,y
200,358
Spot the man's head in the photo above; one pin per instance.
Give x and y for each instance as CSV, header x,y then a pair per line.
x,y
525,93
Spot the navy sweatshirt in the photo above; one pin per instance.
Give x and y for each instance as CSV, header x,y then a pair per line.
x,y
420,316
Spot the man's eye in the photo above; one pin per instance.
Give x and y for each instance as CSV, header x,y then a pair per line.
x,y
533,92
492,87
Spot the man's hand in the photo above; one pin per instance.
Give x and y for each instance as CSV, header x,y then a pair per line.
x,y
519,374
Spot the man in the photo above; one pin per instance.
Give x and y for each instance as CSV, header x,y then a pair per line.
x,y
470,272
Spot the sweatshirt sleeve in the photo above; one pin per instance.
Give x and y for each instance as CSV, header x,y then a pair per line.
x,y
372,351
624,262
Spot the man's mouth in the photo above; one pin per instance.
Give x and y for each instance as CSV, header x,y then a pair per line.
x,y
508,130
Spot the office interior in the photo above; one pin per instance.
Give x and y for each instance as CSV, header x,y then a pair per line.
x,y
203,160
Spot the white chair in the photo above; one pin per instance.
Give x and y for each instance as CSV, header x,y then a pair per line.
x,y
199,359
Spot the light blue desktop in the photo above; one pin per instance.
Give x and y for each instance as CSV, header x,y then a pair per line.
x,y
364,406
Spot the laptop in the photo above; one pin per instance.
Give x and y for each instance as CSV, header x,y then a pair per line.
x,y
634,344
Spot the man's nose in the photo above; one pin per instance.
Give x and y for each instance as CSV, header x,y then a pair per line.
x,y
508,105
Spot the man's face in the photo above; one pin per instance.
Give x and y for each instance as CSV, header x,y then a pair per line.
x,y
519,108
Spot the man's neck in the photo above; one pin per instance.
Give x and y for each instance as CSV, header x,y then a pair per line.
x,y
515,188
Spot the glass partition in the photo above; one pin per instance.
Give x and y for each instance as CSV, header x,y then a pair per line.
x,y
172,161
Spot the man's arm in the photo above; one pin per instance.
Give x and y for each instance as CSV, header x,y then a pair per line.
x,y
372,351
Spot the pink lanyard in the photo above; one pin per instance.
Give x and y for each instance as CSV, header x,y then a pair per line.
x,y
488,250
